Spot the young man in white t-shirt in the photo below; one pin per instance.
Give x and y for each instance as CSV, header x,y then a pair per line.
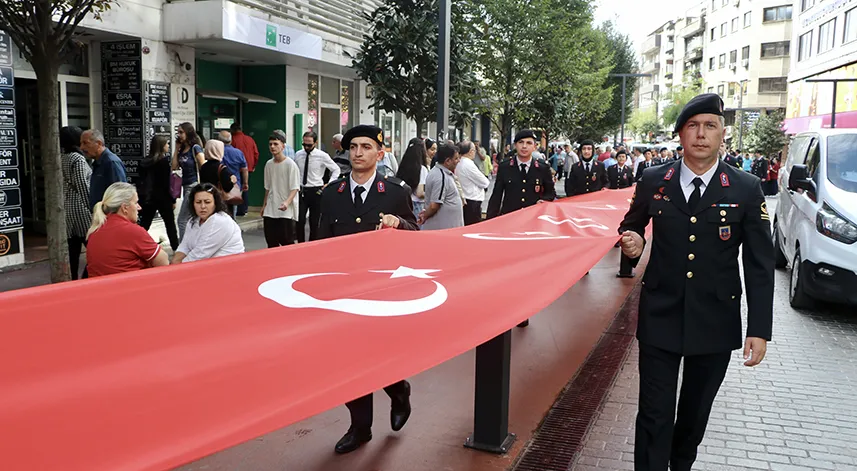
x,y
280,207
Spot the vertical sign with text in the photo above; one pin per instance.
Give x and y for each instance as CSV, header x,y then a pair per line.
x,y
122,102
11,217
157,111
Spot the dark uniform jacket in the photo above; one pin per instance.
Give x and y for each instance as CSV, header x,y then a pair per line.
x,y
734,161
691,298
580,182
642,166
619,177
513,191
760,168
388,195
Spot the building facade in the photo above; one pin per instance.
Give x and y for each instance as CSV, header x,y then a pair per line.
x,y
151,65
824,43
747,55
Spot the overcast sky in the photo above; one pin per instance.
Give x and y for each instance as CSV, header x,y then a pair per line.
x,y
638,18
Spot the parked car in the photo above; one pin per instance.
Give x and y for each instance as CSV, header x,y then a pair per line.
x,y
815,223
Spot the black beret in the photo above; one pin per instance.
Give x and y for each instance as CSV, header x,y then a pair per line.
x,y
364,130
525,133
679,148
586,142
664,148
621,152
707,103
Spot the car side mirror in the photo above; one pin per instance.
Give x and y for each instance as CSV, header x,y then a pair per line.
x,y
798,179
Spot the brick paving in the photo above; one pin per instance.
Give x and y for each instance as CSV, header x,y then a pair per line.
x,y
796,411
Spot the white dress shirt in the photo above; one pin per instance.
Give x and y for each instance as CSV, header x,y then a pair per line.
x,y
318,161
687,176
473,182
219,235
527,163
367,186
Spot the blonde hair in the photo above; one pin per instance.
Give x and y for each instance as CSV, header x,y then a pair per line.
x,y
115,196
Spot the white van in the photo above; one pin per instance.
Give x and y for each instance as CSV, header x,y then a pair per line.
x,y
815,224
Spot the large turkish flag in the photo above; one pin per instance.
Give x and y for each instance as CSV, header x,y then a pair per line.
x,y
149,370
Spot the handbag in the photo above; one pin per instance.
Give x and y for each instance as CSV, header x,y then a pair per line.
x,y
175,185
232,196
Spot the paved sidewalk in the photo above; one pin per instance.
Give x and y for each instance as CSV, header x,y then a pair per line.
x,y
795,411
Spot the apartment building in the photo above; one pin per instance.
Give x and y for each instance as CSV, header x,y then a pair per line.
x,y
747,48
825,46
658,60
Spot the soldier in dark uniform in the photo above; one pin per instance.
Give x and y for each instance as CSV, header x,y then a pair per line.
x,y
521,181
619,175
365,201
760,167
703,211
588,175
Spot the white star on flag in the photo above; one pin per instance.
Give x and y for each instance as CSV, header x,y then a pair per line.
x,y
404,272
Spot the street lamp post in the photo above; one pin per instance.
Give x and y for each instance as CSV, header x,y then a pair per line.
x,y
833,108
443,41
624,78
741,108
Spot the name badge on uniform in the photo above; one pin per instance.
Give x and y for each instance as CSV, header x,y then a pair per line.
x,y
725,232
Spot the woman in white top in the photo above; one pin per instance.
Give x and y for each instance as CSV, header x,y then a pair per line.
x,y
413,170
210,232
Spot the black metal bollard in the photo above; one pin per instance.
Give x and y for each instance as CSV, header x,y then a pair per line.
x,y
491,405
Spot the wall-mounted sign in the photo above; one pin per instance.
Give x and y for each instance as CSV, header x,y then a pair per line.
x,y
7,77
9,178
157,112
247,29
8,137
9,244
11,219
7,117
5,49
10,198
122,104
7,97
8,158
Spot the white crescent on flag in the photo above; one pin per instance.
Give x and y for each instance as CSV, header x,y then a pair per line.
x,y
282,292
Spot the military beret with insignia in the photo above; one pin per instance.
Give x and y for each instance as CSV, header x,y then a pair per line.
x,y
707,103
524,134
364,130
586,142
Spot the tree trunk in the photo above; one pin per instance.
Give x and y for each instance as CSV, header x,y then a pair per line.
x,y
46,74
419,127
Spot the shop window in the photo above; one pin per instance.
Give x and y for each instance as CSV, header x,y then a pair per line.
x,y
330,93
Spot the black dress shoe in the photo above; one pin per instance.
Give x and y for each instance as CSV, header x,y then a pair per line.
x,y
524,324
353,439
400,410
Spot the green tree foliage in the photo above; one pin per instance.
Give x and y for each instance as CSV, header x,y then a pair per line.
x,y
399,58
767,135
679,96
623,60
541,65
644,123
43,30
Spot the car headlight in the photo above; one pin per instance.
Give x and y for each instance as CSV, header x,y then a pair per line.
x,y
830,223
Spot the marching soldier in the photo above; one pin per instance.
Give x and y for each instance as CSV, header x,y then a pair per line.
x,y
703,211
521,181
360,202
588,175
619,175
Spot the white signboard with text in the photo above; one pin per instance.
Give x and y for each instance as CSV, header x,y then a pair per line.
x,y
254,31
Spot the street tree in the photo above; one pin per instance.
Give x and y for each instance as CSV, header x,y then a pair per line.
x,y
623,60
42,30
399,57
679,96
767,135
644,123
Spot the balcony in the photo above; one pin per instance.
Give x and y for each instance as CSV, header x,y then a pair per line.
x,y
697,26
650,67
649,89
693,53
652,43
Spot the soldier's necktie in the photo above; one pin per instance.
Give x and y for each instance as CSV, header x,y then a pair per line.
x,y
358,197
524,169
693,201
587,167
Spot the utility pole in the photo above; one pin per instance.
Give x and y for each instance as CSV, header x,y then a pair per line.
x,y
833,107
741,109
444,27
624,78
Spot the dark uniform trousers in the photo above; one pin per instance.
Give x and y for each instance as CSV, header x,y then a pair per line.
x,y
580,181
690,304
339,216
514,190
472,212
310,201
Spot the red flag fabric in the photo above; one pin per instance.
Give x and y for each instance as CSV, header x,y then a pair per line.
x,y
153,369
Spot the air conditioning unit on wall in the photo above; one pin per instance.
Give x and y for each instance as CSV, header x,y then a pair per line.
x,y
732,66
745,63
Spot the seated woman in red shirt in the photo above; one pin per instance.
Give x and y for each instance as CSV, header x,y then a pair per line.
x,y
116,243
